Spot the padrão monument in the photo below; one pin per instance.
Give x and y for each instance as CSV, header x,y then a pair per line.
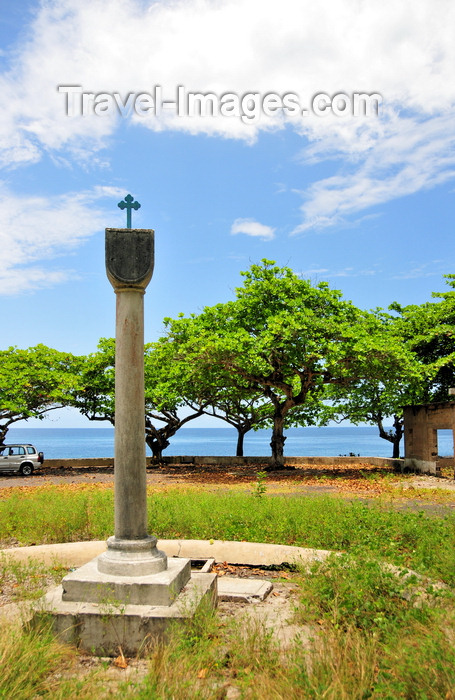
x,y
125,598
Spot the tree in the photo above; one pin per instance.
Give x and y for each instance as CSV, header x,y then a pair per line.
x,y
243,412
283,338
209,388
33,382
422,338
163,392
390,377
95,397
168,391
429,331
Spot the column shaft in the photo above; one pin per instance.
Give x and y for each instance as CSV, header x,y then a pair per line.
x,y
130,465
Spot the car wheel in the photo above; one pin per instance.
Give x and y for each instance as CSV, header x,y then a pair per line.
x,y
26,469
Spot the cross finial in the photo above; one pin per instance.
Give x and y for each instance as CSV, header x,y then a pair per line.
x,y
128,203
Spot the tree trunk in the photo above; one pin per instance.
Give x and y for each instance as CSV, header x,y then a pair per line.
x,y
398,425
3,432
157,446
277,442
240,438
394,436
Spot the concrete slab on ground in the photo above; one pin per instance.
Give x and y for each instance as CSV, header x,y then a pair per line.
x,y
251,553
243,590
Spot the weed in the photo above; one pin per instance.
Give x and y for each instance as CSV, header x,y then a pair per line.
x,y
260,486
27,580
346,591
368,640
28,660
373,640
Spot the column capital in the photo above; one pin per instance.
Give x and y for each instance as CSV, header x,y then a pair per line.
x,y
130,257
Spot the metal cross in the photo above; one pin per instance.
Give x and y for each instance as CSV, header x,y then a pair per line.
x,y
128,203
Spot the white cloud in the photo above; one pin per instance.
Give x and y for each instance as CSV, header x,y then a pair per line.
x,y
19,280
253,228
405,52
34,229
344,272
415,155
416,272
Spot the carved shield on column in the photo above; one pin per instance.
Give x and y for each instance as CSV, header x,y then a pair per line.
x,y
130,256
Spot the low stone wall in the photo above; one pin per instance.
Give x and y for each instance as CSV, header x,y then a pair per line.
x,y
230,461
67,463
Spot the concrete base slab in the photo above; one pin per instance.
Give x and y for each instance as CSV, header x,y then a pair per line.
x,y
92,586
243,590
252,553
102,629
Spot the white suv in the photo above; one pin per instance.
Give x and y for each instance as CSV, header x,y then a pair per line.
x,y
20,458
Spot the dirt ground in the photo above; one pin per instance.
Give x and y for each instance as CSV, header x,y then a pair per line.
x,y
360,478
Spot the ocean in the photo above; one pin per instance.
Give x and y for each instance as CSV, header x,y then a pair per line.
x,y
67,443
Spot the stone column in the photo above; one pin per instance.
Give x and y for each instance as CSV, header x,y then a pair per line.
x,y
145,590
129,266
129,475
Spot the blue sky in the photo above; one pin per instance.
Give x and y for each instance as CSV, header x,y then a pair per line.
x,y
364,202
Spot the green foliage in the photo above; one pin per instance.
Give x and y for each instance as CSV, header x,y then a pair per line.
x,y
358,591
34,382
282,339
52,515
361,634
389,376
169,386
284,353
415,366
95,397
429,330
165,382
373,640
27,580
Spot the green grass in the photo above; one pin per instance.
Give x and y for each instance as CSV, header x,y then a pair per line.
x,y
373,634
411,539
380,635
21,581
368,640
28,661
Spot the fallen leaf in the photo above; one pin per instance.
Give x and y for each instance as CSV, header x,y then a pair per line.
x,y
202,673
120,661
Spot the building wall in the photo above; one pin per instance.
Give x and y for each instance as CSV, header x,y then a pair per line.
x,y
421,424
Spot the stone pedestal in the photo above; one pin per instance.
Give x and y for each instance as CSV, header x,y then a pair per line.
x,y
106,627
91,586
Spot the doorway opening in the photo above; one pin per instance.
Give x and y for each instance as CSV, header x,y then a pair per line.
x,y
445,443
